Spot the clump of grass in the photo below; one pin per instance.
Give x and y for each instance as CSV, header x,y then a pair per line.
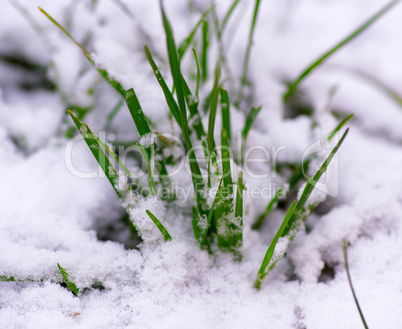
x,y
65,282
296,213
218,219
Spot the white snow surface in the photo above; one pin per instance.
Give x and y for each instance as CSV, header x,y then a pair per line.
x,y
50,216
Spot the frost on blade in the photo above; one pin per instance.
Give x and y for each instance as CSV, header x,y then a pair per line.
x,y
203,222
147,140
146,227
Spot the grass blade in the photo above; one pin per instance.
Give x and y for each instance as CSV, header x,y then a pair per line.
x,y
195,221
226,172
85,52
225,106
98,153
262,273
394,95
345,255
248,51
339,126
293,86
308,189
161,228
116,85
69,284
204,52
212,113
170,101
258,223
249,122
229,13
198,72
186,42
136,113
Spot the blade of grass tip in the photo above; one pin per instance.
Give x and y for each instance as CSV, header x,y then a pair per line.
x,y
258,223
170,101
115,84
339,126
249,122
198,72
238,240
228,14
204,50
85,52
308,189
270,252
211,211
136,113
293,86
174,65
345,255
69,284
225,106
98,153
248,51
161,228
187,41
395,96
150,178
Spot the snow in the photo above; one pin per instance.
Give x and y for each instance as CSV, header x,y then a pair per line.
x,y
51,214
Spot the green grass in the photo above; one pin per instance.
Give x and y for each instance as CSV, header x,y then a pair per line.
x,y
247,126
296,212
311,183
293,86
115,84
69,284
339,126
64,282
219,221
270,252
248,51
159,225
187,41
99,154
225,106
345,256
